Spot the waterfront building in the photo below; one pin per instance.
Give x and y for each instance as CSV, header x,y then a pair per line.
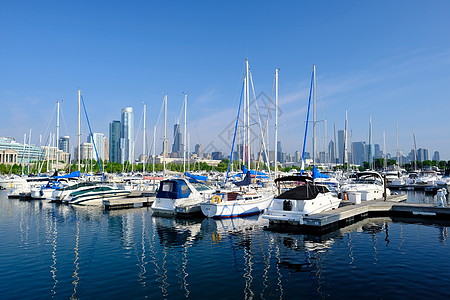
x,y
64,144
25,153
8,157
126,135
114,141
279,152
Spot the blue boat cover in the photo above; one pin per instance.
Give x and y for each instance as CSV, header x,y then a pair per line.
x,y
196,177
258,175
247,180
71,175
173,189
317,174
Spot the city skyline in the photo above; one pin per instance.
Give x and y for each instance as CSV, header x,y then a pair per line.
x,y
394,70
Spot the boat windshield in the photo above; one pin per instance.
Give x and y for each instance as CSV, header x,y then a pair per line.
x,y
201,186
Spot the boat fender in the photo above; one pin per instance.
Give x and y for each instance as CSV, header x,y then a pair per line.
x,y
345,196
216,199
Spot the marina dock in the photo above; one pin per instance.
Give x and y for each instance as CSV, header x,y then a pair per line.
x,y
128,203
393,206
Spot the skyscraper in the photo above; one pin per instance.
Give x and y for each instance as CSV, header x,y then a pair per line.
x,y
177,146
114,139
359,152
126,135
199,150
279,152
99,141
64,144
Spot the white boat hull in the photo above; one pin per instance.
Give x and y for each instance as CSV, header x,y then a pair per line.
x,y
236,208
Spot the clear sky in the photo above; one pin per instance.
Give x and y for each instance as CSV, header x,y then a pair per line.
x,y
386,59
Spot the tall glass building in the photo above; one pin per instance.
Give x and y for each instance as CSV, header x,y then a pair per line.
x,y
114,140
64,144
126,135
25,153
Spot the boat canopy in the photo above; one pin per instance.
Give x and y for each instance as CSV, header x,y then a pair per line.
x,y
304,192
173,189
297,178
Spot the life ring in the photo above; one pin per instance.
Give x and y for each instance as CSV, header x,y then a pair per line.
x,y
216,199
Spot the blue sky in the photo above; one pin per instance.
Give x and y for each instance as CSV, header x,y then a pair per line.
x,y
386,59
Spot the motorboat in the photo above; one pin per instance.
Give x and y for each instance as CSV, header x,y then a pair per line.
x,y
368,185
59,195
95,195
229,203
180,197
307,198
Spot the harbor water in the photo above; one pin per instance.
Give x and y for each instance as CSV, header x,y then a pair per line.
x,y
61,252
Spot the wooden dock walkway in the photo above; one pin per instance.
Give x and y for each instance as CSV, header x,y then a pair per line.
x,y
349,214
128,203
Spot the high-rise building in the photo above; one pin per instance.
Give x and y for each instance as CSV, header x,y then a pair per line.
x,y
199,151
87,151
359,153
64,144
331,152
177,146
279,152
114,140
377,151
126,135
436,156
99,141
422,154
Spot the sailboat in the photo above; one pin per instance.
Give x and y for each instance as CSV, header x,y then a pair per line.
x,y
244,199
308,197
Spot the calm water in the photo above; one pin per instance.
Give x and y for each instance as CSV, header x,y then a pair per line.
x,y
61,252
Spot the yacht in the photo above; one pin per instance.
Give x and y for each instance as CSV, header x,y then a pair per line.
x,y
229,203
305,199
180,197
95,195
368,185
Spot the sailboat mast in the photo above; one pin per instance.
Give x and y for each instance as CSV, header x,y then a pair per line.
x,y
335,154
79,130
248,114
184,143
144,159
314,115
276,123
415,150
244,138
165,134
370,143
345,160
57,135
154,148
384,150
398,152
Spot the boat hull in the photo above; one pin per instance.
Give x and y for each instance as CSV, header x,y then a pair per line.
x,y
235,208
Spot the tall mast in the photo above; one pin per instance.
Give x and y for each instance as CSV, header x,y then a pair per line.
x,y
248,113
314,115
398,153
57,135
345,160
276,122
154,148
370,142
79,130
335,154
415,150
244,138
184,137
144,159
165,132
384,150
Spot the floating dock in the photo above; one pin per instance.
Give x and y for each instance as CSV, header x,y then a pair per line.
x,y
393,206
128,203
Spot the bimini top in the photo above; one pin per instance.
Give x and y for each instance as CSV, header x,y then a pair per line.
x,y
173,189
294,178
361,175
304,192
